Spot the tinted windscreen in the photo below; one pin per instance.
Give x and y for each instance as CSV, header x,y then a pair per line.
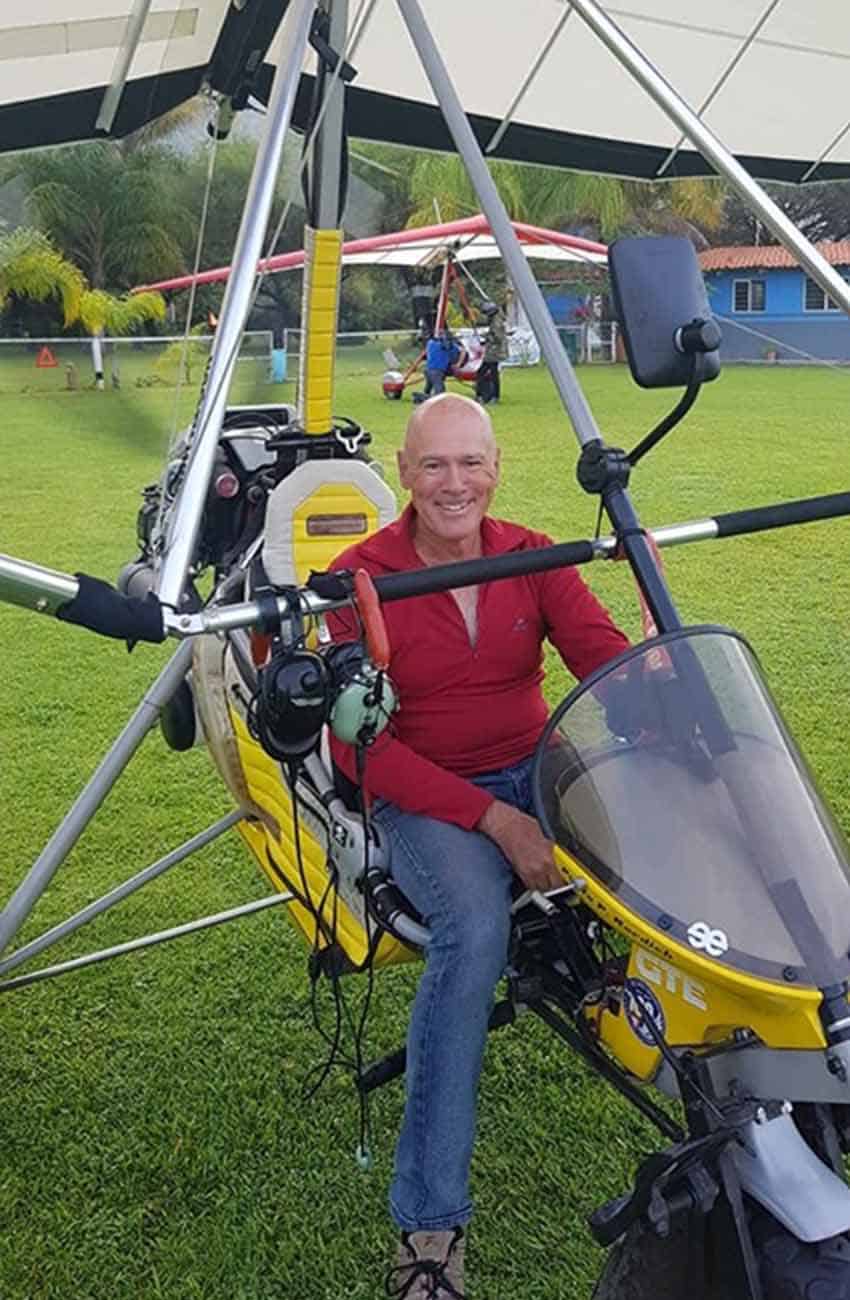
x,y
672,777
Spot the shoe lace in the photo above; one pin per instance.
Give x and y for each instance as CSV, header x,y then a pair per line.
x,y
401,1279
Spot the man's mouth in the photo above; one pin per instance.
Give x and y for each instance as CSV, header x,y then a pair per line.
x,y
454,508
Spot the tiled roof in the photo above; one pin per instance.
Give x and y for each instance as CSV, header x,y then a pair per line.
x,y
738,258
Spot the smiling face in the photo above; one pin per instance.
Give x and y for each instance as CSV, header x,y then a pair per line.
x,y
450,466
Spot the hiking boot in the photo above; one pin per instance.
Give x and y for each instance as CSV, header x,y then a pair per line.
x,y
429,1266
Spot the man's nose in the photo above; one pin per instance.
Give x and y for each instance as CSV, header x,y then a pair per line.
x,y
454,476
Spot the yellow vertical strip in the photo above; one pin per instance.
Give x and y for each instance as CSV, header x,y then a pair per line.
x,y
319,309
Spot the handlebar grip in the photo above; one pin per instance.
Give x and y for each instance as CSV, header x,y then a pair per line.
x,y
377,640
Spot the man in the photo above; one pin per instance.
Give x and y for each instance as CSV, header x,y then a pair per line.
x,y
452,790
442,352
488,387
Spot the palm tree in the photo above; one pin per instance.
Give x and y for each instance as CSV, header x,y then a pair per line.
x,y
30,267
438,188
117,218
101,313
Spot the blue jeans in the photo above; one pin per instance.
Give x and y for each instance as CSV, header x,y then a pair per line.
x,y
460,882
435,382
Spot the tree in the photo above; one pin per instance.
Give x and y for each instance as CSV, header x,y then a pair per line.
x,y
101,313
31,268
437,188
278,303
117,218
820,211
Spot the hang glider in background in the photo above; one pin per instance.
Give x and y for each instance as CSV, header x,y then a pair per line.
x,y
469,239
545,89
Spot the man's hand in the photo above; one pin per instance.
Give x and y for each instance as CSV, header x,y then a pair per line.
x,y
523,843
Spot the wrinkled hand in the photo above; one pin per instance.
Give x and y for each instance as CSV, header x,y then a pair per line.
x,y
524,845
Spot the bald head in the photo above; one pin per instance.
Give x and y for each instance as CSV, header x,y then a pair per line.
x,y
448,411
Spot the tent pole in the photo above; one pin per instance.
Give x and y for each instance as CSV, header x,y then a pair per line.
x,y
190,504
671,103
92,795
516,265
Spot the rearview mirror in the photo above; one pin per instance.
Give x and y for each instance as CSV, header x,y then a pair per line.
x,y
662,308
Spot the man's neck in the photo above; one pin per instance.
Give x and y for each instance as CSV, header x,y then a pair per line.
x,y
436,550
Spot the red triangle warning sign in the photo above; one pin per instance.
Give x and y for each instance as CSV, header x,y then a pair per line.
x,y
45,359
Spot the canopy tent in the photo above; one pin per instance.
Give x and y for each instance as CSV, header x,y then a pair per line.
x,y
470,239
747,65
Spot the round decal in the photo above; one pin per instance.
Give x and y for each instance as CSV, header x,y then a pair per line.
x,y
640,1004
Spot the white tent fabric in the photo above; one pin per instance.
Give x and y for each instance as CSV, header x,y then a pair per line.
x,y
771,78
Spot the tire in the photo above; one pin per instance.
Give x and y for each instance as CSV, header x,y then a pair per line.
x,y
799,1270
177,719
643,1266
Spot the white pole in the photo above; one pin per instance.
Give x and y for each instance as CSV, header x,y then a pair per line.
x,y
97,358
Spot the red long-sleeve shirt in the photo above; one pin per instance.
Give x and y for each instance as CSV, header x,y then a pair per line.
x,y
466,709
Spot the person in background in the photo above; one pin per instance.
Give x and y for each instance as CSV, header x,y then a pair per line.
x,y
452,792
488,386
442,352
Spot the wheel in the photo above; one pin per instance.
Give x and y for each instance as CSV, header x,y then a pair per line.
x,y
643,1266
799,1270
177,719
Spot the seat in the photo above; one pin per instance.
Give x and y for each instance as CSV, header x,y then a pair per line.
x,y
312,514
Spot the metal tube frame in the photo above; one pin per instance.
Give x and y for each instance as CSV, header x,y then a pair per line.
x,y
188,509
124,58
92,795
147,941
44,590
617,503
569,389
671,103
119,893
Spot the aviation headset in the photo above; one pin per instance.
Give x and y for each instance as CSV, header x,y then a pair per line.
x,y
299,691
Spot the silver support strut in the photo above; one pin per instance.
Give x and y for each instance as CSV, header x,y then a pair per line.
x,y
92,795
33,586
112,95
120,892
574,400
148,941
180,544
671,103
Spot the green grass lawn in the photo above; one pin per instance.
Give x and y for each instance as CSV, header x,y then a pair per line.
x,y
155,1141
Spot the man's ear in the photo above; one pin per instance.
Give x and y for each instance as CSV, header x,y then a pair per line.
x,y
498,463
401,461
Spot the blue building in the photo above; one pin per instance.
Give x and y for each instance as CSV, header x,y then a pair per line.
x,y
770,310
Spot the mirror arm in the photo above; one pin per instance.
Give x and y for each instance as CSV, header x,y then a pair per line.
x,y
678,413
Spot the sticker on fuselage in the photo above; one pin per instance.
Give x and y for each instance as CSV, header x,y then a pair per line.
x,y
641,1005
702,936
665,975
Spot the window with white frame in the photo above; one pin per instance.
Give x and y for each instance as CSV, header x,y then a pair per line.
x,y
814,298
748,295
